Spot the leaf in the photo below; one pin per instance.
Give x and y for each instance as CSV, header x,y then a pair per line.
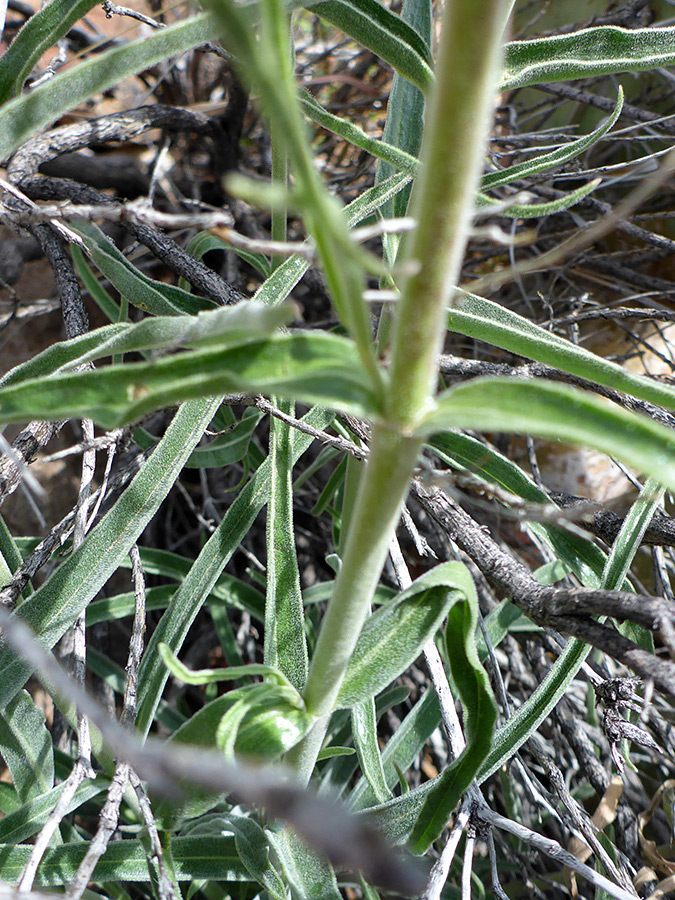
x,y
561,413
393,637
556,157
309,877
220,327
145,293
536,210
405,120
41,31
29,818
285,277
204,242
403,747
53,608
21,118
332,752
203,857
254,852
274,720
525,721
380,149
223,450
213,676
364,729
110,308
388,36
480,717
203,575
314,367
457,449
26,747
420,816
604,50
285,639
487,321
629,538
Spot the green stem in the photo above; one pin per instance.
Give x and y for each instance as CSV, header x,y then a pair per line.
x,y
452,154
443,199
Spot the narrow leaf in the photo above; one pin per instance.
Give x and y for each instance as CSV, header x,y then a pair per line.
x,y
556,157
42,30
393,637
145,293
285,639
364,729
480,717
536,210
604,50
23,117
203,576
26,747
222,327
561,413
487,321
388,36
309,877
53,608
254,852
203,857
314,367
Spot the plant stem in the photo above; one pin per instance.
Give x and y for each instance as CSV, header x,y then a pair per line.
x,y
452,153
442,203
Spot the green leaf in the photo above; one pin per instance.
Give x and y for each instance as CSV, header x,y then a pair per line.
x,y
332,751
223,450
556,157
380,149
21,118
403,747
405,119
26,747
274,721
629,538
227,326
254,851
393,637
536,210
314,367
29,818
525,721
604,50
145,293
561,413
584,558
364,729
203,857
487,321
42,30
212,676
285,277
419,816
53,608
205,241
285,639
110,308
480,717
309,877
203,576
388,36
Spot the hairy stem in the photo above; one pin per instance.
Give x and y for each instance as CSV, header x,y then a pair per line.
x,y
452,153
